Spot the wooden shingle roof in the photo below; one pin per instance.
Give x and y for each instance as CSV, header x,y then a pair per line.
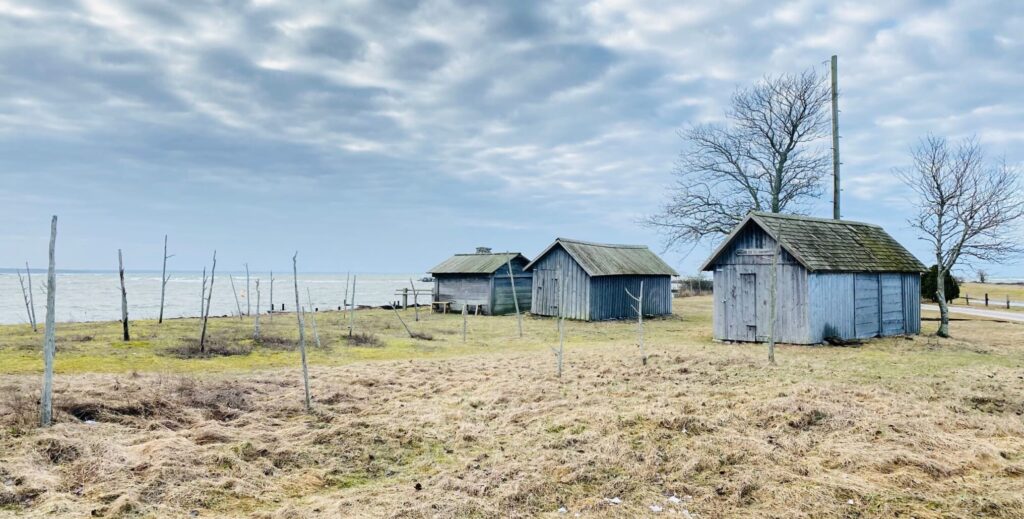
x,y
821,244
475,263
602,259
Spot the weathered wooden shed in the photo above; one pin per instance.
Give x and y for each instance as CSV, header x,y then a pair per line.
x,y
836,278
596,276
482,279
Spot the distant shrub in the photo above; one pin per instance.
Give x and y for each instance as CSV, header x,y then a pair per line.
x,y
364,339
929,285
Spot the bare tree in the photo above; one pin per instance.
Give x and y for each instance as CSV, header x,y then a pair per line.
x,y
206,312
124,297
31,298
50,335
316,334
982,276
238,305
256,322
28,306
639,307
967,209
164,278
202,296
764,159
302,330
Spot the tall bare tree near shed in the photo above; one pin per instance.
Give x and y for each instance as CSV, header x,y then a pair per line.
x,y
967,209
124,297
164,278
765,159
302,330
50,334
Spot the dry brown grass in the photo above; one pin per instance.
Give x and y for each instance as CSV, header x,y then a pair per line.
x,y
894,428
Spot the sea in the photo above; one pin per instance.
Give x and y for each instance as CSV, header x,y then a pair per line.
x,y
96,296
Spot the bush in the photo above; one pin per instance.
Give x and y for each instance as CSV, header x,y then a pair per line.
x,y
928,286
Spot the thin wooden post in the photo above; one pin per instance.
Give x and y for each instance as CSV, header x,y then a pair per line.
x,y
465,308
515,297
773,290
345,300
986,298
50,334
206,312
28,309
256,322
202,296
316,334
238,305
271,295
352,312
124,297
835,138
164,278
302,330
968,299
415,299
31,298
405,298
248,301
561,322
406,326
1007,301
639,307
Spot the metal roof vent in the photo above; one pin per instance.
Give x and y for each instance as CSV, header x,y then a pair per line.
x,y
483,250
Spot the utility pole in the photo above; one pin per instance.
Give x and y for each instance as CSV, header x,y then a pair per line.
x,y
835,138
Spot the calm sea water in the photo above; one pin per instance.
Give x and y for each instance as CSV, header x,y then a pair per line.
x,y
96,296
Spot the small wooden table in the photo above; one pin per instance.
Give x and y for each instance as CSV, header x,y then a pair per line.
x,y
444,306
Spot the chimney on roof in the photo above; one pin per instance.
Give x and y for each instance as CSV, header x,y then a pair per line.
x,y
483,250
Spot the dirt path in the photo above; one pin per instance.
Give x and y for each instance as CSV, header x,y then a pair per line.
x,y
992,314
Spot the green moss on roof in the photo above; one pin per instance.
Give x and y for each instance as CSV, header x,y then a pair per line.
x,y
475,263
604,259
837,245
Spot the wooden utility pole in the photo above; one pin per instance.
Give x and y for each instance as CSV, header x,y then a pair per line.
x,y
515,297
124,297
302,330
50,335
639,307
31,299
163,281
206,311
835,138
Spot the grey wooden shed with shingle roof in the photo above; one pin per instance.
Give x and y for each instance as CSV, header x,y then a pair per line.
x,y
482,280
836,278
591,280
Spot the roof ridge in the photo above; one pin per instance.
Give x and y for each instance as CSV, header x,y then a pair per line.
x,y
485,253
815,219
596,244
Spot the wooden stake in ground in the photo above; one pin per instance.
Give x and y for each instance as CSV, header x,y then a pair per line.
x,y
248,301
202,296
302,330
124,297
639,307
560,352
31,298
238,305
206,313
256,322
352,313
344,302
773,290
464,312
50,335
316,334
28,308
271,295
415,300
515,298
164,278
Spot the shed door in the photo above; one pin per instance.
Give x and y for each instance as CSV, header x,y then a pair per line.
x,y
545,292
866,305
892,304
748,307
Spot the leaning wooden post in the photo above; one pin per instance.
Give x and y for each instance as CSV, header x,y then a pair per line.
x,y
248,300
415,300
202,296
163,281
464,306
206,311
352,312
344,305
515,297
316,334
28,309
271,295
406,326
50,335
31,298
124,297
256,322
302,330
639,307
238,305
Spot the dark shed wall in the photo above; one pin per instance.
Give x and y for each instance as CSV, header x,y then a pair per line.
x,y
608,298
849,305
502,301
546,270
463,288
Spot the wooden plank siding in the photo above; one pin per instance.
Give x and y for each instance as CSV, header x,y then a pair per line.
x,y
544,300
608,299
463,288
831,305
911,302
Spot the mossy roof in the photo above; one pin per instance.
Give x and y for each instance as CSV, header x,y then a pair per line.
x,y
603,259
821,244
475,263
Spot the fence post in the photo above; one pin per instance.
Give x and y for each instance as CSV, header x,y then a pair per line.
x,y
405,298
986,298
1007,301
968,299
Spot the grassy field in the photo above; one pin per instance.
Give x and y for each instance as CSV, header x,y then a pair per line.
x,y
997,294
899,427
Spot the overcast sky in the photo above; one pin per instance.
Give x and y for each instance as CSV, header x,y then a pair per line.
x,y
384,135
